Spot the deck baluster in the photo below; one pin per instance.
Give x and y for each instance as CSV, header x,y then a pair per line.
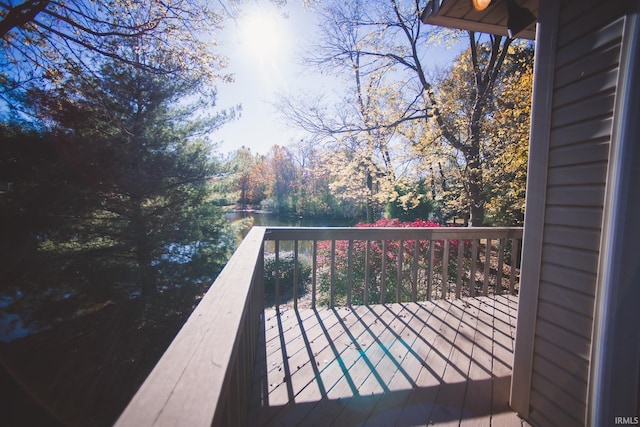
x,y
332,279
430,273
515,258
487,267
399,271
276,298
295,274
383,278
314,274
459,276
445,269
349,273
472,274
414,272
367,277
498,290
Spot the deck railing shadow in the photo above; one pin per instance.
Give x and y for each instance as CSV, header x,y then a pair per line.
x,y
392,408
360,355
489,340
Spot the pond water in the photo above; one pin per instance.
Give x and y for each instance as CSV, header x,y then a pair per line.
x,y
245,220
265,219
12,326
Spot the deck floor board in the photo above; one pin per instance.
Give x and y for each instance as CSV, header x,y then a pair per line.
x,y
440,362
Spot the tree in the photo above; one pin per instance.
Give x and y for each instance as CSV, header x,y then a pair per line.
x,y
282,174
356,129
388,35
507,153
488,162
237,185
124,204
46,38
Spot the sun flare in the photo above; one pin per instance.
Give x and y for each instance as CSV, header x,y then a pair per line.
x,y
262,34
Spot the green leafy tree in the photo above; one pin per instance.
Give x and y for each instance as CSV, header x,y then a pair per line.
x,y
122,208
409,201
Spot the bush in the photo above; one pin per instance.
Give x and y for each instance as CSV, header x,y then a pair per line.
x,y
286,270
374,286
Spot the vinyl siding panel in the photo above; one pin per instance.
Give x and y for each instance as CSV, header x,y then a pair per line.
x,y
575,365
570,404
593,173
591,130
575,195
600,105
563,339
587,66
585,88
572,321
566,276
586,75
571,385
572,300
582,44
546,411
567,257
578,216
586,152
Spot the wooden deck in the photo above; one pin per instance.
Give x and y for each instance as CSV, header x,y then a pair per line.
x,y
410,364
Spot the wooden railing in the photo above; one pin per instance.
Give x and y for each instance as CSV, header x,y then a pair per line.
x,y
381,265
204,377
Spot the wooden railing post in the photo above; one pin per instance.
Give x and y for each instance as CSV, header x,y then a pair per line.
x,y
459,273
333,274
498,289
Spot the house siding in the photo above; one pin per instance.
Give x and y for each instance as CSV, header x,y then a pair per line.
x,y
585,79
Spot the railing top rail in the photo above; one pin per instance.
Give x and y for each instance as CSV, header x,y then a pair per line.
x,y
186,385
391,233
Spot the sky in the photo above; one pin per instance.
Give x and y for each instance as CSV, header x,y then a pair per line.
x,y
263,49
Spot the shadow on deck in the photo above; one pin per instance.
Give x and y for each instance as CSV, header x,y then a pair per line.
x,y
408,364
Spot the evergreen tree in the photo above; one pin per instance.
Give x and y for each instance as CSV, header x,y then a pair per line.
x,y
114,184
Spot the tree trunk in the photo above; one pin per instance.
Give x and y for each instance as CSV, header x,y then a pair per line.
x,y
144,258
474,164
370,219
20,15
